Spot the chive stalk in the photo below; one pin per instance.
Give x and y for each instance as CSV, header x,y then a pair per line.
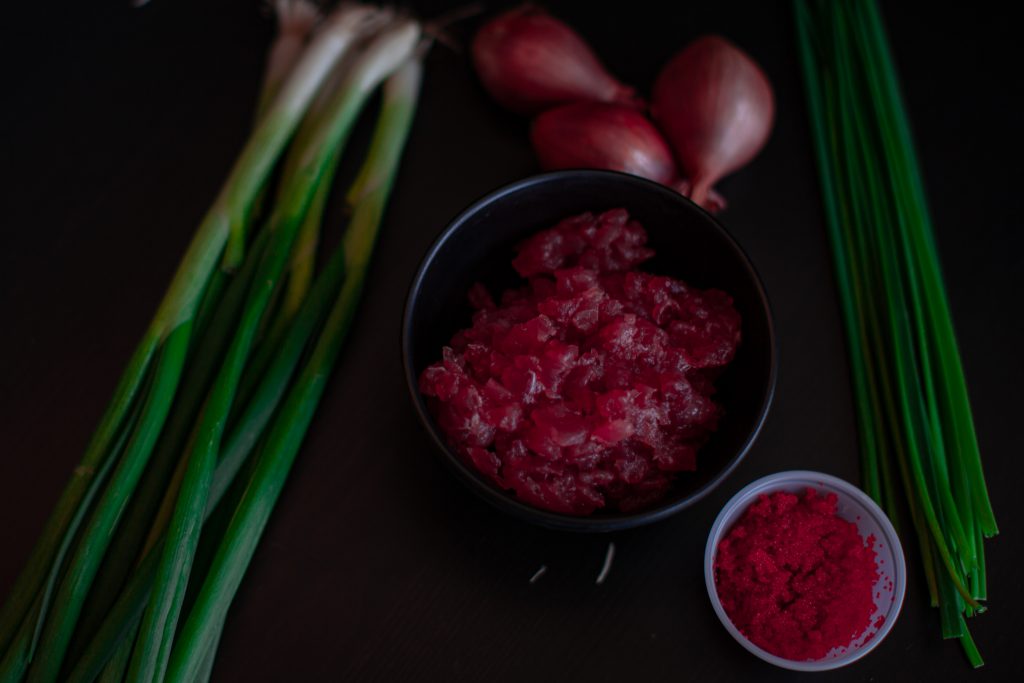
x,y
900,150
864,184
895,310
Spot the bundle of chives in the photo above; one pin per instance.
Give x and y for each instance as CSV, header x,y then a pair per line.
x,y
105,584
913,413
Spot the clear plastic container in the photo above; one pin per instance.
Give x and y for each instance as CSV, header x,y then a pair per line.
x,y
853,505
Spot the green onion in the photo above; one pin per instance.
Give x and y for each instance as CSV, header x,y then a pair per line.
x,y
127,611
907,377
139,516
107,580
245,433
28,583
15,662
300,267
378,59
303,258
83,564
370,192
206,668
295,22
168,338
115,669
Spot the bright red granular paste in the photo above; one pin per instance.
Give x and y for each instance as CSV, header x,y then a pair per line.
x,y
795,578
590,386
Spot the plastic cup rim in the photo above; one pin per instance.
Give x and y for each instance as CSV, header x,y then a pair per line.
x,y
773,482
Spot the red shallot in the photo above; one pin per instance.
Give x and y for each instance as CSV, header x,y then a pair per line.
x,y
530,61
716,108
599,135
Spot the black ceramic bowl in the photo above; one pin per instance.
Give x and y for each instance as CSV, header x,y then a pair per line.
x,y
691,245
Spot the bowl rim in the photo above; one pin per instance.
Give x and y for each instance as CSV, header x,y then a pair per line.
x,y
509,504
769,484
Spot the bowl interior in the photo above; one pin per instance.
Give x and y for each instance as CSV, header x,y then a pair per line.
x,y
479,246
853,505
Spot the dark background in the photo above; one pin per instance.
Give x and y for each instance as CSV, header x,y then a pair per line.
x,y
118,126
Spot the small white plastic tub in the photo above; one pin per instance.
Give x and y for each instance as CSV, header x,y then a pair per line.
x,y
853,505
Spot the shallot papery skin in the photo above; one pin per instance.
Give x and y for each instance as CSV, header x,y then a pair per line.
x,y
604,136
716,108
530,61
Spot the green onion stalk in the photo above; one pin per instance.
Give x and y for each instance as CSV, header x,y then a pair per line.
x,y
153,503
277,455
378,59
123,618
295,284
158,360
115,669
303,258
18,655
139,515
908,380
296,20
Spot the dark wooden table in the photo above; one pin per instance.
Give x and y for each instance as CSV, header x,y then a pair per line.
x,y
117,128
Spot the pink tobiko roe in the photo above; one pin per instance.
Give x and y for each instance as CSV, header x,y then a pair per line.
x,y
590,386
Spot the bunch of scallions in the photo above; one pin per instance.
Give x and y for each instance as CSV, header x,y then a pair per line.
x,y
916,430
206,421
